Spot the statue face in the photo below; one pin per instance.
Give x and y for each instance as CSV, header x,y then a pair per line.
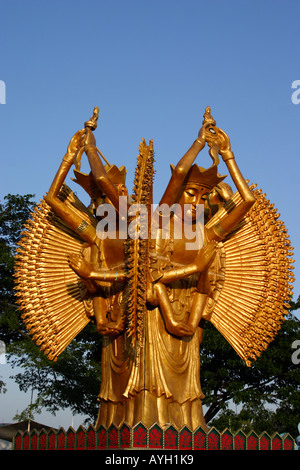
x,y
194,195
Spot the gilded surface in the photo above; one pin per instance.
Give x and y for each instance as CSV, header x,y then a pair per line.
x,y
147,292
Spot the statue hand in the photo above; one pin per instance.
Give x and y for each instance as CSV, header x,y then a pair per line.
x,y
77,141
205,256
111,329
203,134
208,133
151,292
214,153
223,140
80,266
179,328
224,145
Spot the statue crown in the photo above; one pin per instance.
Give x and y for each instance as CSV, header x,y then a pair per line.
x,y
115,174
204,177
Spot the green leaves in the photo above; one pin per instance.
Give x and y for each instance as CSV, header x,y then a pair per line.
x,y
71,382
13,214
74,380
269,390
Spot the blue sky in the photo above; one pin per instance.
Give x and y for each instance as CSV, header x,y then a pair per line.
x,y
152,68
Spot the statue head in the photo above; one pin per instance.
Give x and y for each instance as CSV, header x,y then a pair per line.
x,y
198,184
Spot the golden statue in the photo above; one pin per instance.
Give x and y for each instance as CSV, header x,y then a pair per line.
x,y
148,276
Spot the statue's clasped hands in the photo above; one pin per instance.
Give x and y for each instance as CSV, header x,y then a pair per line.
x,y
219,144
76,148
81,267
217,140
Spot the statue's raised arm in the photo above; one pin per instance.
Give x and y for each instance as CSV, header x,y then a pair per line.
x,y
181,170
228,223
87,232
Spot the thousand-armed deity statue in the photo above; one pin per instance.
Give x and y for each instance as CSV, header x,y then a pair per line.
x,y
150,277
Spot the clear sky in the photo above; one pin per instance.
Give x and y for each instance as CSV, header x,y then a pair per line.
x,y
152,68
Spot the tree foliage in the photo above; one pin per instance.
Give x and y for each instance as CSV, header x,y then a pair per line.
x,y
267,394
13,214
268,391
71,382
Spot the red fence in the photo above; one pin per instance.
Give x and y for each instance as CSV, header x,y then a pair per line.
x,y
141,437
